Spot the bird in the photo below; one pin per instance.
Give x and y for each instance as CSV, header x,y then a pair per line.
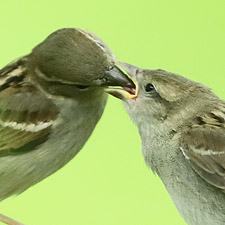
x,y
50,103
182,128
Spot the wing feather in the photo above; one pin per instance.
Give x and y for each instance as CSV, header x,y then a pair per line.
x,y
204,147
26,114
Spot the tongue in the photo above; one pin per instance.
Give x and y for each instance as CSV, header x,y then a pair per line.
x,y
129,90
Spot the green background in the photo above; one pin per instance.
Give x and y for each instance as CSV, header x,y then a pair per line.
x,y
108,182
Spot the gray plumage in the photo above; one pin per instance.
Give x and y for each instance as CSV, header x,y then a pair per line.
x,y
182,127
50,102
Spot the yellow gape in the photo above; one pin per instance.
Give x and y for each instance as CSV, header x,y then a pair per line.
x,y
119,92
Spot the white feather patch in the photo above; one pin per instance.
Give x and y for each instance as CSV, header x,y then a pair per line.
x,y
207,152
31,127
17,72
184,153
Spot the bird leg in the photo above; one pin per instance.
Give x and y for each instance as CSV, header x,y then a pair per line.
x,y
9,221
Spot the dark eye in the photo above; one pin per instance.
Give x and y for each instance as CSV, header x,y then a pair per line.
x,y
149,88
81,86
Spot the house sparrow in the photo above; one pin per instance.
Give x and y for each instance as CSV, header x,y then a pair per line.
x,y
182,127
50,102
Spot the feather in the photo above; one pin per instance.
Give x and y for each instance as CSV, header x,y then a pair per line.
x,y
26,114
204,147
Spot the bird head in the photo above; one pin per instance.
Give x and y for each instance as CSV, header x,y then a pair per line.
x,y
160,95
76,63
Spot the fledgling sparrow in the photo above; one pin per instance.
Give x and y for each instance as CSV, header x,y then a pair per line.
x,y
182,128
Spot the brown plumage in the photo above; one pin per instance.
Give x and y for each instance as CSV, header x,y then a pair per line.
x,y
50,103
204,146
24,110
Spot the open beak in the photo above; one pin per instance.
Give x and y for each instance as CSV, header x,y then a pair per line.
x,y
120,84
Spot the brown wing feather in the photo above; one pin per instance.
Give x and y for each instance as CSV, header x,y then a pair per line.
x,y
26,115
204,147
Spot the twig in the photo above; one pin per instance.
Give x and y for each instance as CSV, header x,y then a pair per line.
x,y
9,221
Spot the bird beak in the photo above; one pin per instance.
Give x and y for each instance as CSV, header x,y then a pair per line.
x,y
119,83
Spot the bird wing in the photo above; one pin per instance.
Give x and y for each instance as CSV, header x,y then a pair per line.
x,y
204,147
26,114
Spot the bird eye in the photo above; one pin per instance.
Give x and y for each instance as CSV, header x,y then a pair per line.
x,y
81,86
149,88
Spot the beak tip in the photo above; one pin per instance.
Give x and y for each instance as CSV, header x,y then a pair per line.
x,y
116,77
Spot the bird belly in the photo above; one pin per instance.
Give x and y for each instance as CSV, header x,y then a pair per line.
x,y
19,172
197,201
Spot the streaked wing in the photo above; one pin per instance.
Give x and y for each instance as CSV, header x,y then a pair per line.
x,y
26,115
204,146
